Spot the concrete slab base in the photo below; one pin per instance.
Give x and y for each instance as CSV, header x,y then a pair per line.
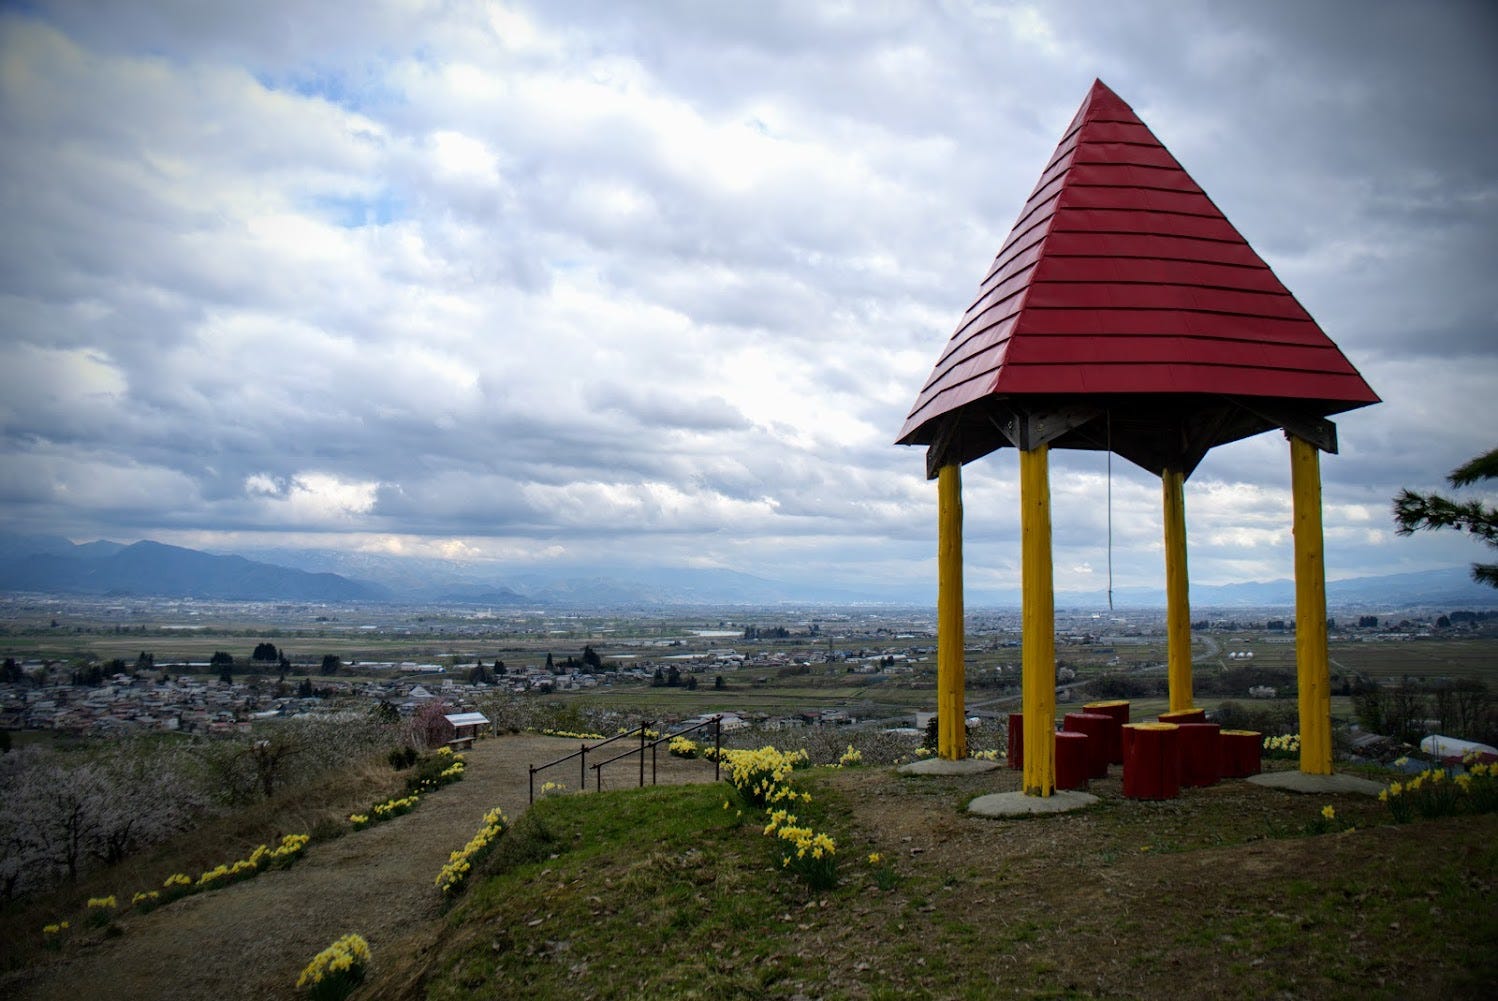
x,y
1017,804
941,766
1301,782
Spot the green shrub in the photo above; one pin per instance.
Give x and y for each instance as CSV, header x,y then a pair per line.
x,y
435,771
402,758
1269,718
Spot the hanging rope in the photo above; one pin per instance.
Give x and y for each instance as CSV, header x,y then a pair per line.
x,y
1108,420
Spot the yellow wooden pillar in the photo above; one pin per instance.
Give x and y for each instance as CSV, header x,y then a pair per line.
x,y
1038,622
1177,591
951,718
1312,671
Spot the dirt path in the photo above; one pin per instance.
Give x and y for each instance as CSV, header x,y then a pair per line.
x,y
251,940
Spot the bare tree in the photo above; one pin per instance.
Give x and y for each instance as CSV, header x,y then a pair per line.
x,y
57,818
428,726
285,753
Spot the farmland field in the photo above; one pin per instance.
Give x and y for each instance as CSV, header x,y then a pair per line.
x,y
837,651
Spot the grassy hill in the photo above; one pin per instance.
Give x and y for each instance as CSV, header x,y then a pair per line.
x,y
1232,891
1222,893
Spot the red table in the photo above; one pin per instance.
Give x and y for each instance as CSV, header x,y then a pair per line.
x,y
1200,753
1152,761
1096,726
1239,753
1071,760
1016,740
1118,711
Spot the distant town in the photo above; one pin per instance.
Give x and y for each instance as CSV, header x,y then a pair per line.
x,y
115,667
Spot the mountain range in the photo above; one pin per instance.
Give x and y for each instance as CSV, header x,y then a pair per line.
x,y
154,569
52,564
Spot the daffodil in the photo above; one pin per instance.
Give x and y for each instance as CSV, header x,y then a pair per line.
x,y
344,960
460,862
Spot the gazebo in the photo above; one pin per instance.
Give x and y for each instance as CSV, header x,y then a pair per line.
x,y
1124,313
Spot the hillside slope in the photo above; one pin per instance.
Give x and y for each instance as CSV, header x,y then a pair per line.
x,y
1220,893
251,940
1223,893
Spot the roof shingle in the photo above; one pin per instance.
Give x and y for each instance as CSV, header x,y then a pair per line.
x,y
1121,278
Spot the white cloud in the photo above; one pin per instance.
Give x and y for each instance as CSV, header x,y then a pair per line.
x,y
311,499
464,157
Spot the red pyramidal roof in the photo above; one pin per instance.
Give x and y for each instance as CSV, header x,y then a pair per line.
x,y
1122,278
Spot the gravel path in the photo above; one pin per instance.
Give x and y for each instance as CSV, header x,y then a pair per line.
x,y
250,941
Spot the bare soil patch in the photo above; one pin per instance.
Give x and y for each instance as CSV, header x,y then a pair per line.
x,y
1219,893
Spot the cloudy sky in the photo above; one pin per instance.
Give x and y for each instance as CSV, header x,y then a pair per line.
x,y
572,282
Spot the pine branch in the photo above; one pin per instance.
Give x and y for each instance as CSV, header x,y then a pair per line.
x,y
1414,512
1484,467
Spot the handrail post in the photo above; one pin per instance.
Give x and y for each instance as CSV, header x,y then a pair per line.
x,y
582,768
642,755
717,747
533,785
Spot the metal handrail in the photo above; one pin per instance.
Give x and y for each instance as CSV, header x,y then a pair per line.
x,y
716,723
582,754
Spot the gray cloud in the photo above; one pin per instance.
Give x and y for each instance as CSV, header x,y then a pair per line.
x,y
660,282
